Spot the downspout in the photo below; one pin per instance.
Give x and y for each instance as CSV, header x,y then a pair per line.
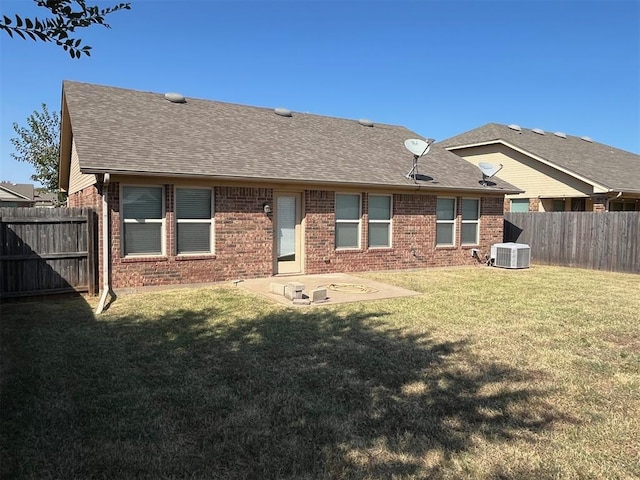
x,y
106,268
609,199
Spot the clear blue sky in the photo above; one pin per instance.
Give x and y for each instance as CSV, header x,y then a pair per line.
x,y
437,67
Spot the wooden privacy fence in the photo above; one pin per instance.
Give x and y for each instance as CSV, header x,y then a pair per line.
x,y
600,241
47,250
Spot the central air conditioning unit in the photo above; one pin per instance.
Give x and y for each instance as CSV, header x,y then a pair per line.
x,y
510,255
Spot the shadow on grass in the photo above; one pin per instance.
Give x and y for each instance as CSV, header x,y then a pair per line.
x,y
287,394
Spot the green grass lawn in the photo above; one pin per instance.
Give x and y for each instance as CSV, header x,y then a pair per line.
x,y
488,374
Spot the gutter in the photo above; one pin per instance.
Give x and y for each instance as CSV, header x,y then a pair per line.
x,y
106,266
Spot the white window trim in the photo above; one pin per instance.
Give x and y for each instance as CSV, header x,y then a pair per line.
x,y
469,222
161,220
387,222
358,222
447,222
211,221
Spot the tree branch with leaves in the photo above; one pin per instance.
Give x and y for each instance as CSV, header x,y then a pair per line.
x,y
68,15
39,144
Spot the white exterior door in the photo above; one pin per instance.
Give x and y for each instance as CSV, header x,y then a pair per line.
x,y
288,232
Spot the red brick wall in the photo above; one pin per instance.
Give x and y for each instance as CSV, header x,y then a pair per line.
x,y
413,235
91,197
244,238
243,241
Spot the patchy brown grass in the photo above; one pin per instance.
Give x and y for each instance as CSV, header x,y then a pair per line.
x,y
488,374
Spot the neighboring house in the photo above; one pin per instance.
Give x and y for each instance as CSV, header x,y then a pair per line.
x,y
204,191
557,172
45,199
24,195
16,195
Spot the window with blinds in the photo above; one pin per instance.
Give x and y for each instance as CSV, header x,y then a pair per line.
x,y
379,221
194,221
470,221
286,237
347,221
142,220
445,221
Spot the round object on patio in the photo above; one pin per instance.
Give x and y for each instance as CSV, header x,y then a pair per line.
x,y
349,288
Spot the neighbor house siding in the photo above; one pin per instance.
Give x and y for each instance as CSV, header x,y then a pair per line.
x,y
78,180
532,176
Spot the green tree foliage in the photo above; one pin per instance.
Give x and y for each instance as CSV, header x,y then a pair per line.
x,y
39,144
68,15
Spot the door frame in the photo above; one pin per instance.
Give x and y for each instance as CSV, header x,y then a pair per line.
x,y
296,267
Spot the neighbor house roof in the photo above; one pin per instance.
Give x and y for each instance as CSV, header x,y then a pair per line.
x,y
139,133
610,167
16,192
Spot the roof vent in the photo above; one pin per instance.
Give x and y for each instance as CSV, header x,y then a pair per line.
x,y
560,134
587,139
515,127
175,97
283,112
365,122
539,131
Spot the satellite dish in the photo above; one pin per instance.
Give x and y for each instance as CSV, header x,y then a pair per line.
x,y
419,148
488,170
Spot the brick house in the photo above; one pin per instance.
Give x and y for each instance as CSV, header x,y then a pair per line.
x,y
555,172
203,191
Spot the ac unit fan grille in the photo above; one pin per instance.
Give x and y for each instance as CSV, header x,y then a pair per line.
x,y
510,257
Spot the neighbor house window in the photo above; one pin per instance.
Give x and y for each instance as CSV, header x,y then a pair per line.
x,y
142,220
470,221
519,205
445,221
347,221
558,205
379,221
578,204
194,220
622,206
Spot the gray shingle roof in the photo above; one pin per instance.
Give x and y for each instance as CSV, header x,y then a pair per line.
x,y
119,130
23,189
602,164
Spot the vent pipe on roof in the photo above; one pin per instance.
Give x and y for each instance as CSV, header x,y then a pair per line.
x,y
365,122
175,97
283,112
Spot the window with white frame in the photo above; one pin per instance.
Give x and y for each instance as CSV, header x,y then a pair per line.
x,y
470,233
142,220
446,222
348,214
194,221
379,221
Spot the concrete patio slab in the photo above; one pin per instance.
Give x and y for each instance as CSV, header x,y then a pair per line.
x,y
341,288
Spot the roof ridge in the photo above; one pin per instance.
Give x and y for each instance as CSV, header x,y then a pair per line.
x,y
236,104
